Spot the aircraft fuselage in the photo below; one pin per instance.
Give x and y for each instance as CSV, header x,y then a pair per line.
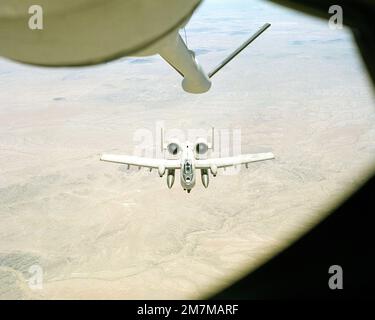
x,y
187,172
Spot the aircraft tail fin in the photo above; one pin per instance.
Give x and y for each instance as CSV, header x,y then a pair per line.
x,y
239,50
212,145
162,140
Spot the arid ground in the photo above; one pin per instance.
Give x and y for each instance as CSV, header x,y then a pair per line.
x,y
96,230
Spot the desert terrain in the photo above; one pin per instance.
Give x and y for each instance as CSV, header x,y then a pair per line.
x,y
99,231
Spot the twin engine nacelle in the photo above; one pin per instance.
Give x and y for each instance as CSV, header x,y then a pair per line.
x,y
201,147
174,148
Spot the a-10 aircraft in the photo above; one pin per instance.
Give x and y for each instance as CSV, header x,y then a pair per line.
x,y
188,158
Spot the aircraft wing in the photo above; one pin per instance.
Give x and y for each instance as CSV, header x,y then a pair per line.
x,y
233,161
141,161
